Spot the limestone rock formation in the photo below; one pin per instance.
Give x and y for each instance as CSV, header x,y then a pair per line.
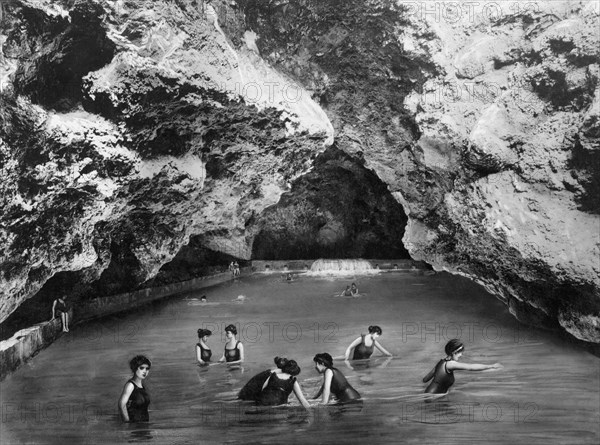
x,y
128,127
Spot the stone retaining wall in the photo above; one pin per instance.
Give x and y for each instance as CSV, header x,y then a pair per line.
x,y
28,342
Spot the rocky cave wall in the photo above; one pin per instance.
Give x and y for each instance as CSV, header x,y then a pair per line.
x,y
189,118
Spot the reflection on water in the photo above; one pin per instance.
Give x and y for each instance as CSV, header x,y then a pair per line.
x,y
547,391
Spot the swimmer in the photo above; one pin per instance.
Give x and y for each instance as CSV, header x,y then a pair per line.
x,y
239,299
289,277
365,345
346,292
234,354
203,352
279,385
134,400
203,299
252,389
443,373
354,289
334,381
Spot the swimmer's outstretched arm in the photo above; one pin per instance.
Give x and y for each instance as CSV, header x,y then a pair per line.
x,y
353,345
127,390
453,365
300,396
429,376
381,348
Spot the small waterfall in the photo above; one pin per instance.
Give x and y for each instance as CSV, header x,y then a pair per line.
x,y
342,267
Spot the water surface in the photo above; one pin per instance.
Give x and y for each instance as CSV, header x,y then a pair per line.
x,y
546,393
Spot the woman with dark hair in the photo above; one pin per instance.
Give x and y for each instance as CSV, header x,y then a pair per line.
x,y
443,372
134,400
365,345
279,386
252,389
234,349
334,381
203,352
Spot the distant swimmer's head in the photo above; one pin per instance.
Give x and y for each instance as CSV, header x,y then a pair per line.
x,y
204,333
291,368
324,360
375,330
454,346
231,328
203,298
139,361
280,362
353,285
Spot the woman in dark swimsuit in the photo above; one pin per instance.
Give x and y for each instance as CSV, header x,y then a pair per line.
x,y
279,386
234,349
203,352
252,389
60,308
334,381
443,372
365,345
134,400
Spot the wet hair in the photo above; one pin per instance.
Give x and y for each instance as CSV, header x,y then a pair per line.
x,y
454,346
280,362
231,328
203,297
324,359
375,330
203,332
138,361
291,368
354,284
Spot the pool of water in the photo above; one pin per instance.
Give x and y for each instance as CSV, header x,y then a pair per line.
x,y
547,391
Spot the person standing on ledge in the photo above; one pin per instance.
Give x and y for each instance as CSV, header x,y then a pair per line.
x,y
60,307
236,269
443,373
365,345
134,400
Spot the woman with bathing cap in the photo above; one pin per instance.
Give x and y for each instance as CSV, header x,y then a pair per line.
x,y
334,381
365,345
443,373
234,349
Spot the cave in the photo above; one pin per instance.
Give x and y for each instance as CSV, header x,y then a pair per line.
x,y
448,152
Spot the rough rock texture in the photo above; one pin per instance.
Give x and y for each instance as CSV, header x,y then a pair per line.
x,y
127,154
482,120
337,210
127,127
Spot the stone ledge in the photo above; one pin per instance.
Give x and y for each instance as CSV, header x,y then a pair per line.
x,y
26,343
